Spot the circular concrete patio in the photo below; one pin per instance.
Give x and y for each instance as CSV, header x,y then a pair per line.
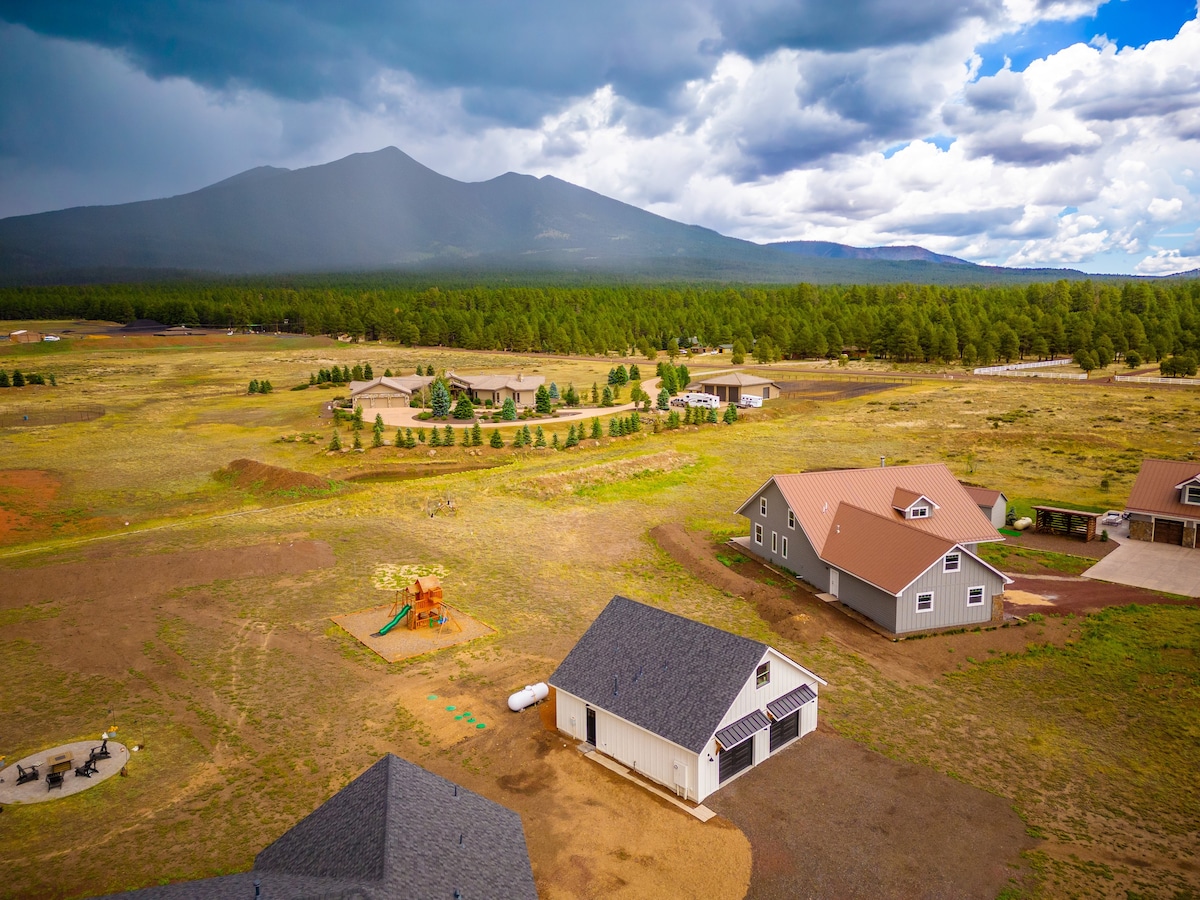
x,y
37,791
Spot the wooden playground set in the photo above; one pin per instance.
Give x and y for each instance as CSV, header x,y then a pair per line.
x,y
421,606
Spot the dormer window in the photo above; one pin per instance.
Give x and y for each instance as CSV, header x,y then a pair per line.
x,y
1191,494
919,512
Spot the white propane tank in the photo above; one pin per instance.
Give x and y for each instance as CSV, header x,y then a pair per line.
x,y
529,695
1022,523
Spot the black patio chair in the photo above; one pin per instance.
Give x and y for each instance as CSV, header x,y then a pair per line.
x,y
100,752
54,780
24,774
87,770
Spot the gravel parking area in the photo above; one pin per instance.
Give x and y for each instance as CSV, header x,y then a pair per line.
x,y
828,817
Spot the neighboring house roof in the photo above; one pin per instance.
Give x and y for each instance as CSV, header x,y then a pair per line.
x,y
1156,489
672,676
395,831
814,498
520,382
736,379
407,384
984,496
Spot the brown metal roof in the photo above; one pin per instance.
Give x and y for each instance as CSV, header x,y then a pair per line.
x,y
736,379
814,498
903,498
983,496
1155,490
880,550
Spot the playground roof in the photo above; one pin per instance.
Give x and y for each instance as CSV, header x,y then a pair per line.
x,y
395,831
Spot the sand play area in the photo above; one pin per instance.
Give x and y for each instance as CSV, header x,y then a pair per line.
x,y
402,642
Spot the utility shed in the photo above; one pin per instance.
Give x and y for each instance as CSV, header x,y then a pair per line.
x,y
396,831
682,703
1067,522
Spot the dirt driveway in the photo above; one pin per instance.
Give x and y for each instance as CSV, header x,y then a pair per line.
x,y
853,823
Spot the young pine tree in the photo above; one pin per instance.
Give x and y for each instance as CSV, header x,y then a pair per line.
x,y
526,436
496,441
435,437
597,432
368,372
508,412
595,394
421,435
356,421
4,382
606,398
345,374
553,391
614,429
399,439
448,436
476,435
730,414
635,422
264,387
336,443
379,421
410,442
712,416
440,404
664,399
554,443
539,439
542,403
673,419
572,438
518,440
377,438
253,389
356,374
357,441
634,373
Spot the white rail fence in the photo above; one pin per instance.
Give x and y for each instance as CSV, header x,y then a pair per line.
x,y
1152,379
1021,368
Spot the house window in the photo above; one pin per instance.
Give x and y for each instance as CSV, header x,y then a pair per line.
x,y
757,533
925,601
792,518
762,675
1191,494
919,512
762,505
975,596
774,541
952,562
785,546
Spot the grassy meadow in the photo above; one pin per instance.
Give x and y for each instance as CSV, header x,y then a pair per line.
x,y
254,707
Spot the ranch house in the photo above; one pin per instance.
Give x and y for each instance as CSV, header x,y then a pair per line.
x,y
387,392
521,388
396,830
682,703
1164,505
896,544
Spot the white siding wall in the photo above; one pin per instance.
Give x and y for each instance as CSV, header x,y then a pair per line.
x,y
644,752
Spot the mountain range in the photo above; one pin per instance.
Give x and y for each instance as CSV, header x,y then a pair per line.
x,y
386,211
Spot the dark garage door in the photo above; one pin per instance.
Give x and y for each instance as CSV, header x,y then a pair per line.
x,y
737,758
784,730
1167,531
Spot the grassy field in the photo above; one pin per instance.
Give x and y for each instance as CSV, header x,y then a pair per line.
x,y
254,707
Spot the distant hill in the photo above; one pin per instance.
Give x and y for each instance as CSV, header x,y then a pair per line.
x,y
830,250
384,211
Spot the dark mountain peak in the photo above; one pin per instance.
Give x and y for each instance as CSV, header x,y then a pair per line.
x,y
831,250
250,176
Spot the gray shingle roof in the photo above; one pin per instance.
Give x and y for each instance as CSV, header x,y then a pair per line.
x,y
672,676
396,831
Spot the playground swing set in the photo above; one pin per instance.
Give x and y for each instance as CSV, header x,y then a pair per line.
x,y
421,604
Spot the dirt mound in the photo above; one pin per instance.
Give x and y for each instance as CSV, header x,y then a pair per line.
x,y
250,475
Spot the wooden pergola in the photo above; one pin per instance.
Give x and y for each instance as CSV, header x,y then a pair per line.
x,y
1068,522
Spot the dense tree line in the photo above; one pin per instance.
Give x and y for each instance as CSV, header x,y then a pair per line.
x,y
902,322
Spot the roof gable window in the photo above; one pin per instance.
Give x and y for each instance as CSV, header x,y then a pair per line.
x,y
1191,494
952,562
918,512
762,675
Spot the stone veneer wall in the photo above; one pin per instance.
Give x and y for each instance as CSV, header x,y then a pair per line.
x,y
1141,530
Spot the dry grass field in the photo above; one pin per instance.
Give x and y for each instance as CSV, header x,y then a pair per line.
x,y
193,611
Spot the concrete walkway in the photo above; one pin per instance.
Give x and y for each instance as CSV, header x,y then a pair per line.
x,y
1158,567
37,792
406,416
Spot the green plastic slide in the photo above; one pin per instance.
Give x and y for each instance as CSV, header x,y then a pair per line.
x,y
396,621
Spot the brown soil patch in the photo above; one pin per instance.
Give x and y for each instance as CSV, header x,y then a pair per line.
x,y
829,389
869,827
1060,594
260,478
107,607
25,494
794,611
1058,544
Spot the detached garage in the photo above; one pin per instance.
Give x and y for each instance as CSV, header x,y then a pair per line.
x,y
682,703
1164,505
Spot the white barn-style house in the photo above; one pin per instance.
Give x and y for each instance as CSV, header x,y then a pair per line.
x,y
896,544
680,702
